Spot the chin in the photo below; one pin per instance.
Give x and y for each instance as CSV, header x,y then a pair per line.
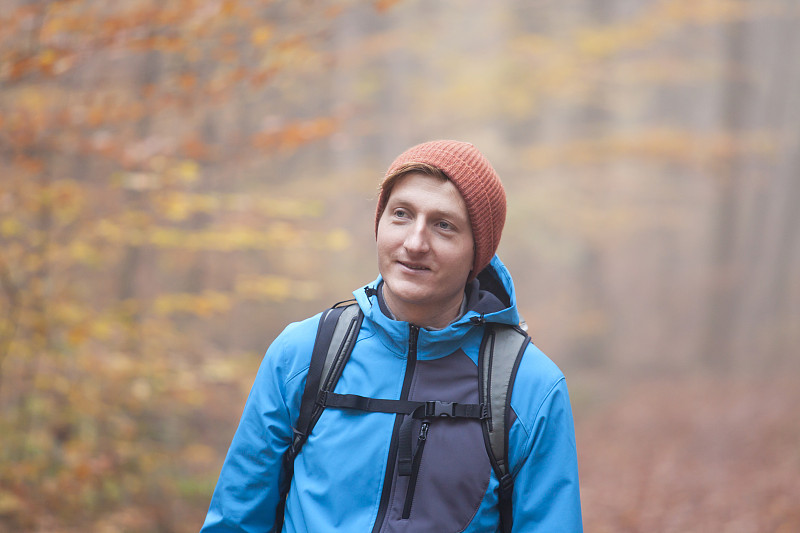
x,y
407,290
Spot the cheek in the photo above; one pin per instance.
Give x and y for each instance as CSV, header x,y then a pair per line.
x,y
462,257
385,241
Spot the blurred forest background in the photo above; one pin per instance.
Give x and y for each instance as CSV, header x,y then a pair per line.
x,y
179,179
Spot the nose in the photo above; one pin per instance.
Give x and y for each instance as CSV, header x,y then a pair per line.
x,y
417,239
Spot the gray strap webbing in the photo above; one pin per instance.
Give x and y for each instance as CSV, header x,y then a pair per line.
x,y
504,347
344,335
500,355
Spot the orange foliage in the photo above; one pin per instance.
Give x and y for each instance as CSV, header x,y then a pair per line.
x,y
106,210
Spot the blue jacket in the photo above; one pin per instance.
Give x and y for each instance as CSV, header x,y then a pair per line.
x,y
346,476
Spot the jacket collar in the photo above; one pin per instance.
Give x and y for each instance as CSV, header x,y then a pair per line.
x,y
489,298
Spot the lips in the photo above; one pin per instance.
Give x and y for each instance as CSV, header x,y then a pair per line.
x,y
414,266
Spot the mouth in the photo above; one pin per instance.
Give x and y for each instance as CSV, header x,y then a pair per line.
x,y
413,266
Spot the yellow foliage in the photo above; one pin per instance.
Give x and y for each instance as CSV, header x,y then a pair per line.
x,y
276,288
289,208
138,181
175,207
60,383
47,58
141,389
78,335
83,252
31,101
33,262
706,12
612,40
167,238
533,45
234,239
119,364
305,290
663,17
206,203
187,171
68,200
179,206
185,388
260,35
109,231
10,227
656,143
200,454
281,234
204,305
296,52
268,287
221,370
102,328
338,240
68,312
10,503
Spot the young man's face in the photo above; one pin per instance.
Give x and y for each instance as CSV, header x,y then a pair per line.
x,y
425,249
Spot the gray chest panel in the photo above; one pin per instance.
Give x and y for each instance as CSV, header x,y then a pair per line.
x,y
455,468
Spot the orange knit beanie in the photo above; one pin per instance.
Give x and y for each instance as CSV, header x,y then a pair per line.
x,y
475,179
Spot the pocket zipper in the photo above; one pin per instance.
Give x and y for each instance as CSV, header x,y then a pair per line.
x,y
412,482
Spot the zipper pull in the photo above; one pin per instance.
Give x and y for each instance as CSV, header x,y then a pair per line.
x,y
412,482
423,430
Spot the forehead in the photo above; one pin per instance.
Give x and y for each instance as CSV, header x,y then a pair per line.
x,y
424,190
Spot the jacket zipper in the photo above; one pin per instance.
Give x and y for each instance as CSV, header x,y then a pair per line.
x,y
386,491
412,482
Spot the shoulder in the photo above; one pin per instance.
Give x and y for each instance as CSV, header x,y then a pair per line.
x,y
289,355
538,379
299,334
540,403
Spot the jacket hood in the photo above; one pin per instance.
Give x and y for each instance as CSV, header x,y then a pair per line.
x,y
490,298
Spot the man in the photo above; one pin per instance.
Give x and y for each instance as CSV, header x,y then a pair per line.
x,y
438,223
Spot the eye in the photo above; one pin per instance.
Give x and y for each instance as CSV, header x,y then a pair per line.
x,y
443,224
400,213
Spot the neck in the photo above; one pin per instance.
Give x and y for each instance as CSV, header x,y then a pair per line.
x,y
424,316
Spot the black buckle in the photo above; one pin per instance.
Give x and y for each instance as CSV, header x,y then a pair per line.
x,y
440,409
322,397
506,485
294,447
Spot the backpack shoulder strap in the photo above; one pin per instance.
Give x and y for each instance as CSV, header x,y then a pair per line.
x,y
501,352
336,335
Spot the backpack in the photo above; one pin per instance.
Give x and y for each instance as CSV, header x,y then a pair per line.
x,y
500,354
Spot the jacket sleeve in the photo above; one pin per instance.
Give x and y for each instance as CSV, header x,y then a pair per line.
x,y
246,494
546,492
